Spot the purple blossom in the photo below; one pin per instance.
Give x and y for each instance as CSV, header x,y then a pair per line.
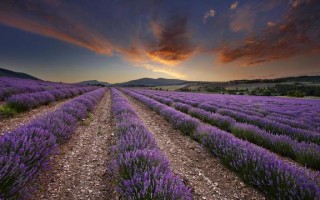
x,y
25,152
141,171
274,176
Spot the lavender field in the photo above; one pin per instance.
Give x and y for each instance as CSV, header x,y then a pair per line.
x,y
125,143
159,100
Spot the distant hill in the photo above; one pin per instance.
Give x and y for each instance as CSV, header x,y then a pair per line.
x,y
95,83
12,74
150,82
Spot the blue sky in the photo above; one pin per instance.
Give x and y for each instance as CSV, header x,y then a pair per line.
x,y
120,40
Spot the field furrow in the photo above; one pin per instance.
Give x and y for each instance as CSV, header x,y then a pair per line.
x,y
273,175
205,174
78,171
306,154
8,124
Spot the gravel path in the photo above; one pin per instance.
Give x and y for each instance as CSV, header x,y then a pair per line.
x,y
79,171
9,124
199,168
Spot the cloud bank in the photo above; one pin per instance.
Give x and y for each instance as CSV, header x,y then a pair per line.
x,y
149,34
297,33
168,43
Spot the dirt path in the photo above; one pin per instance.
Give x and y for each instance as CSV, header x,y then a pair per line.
x,y
78,172
198,167
9,124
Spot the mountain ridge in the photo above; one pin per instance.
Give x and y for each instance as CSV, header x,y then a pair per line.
x,y
13,74
149,82
95,83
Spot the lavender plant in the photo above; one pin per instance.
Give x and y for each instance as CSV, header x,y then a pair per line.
x,y
305,153
140,170
25,152
274,176
27,101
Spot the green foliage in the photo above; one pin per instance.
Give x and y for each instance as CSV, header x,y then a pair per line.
x,y
298,90
266,93
7,111
215,89
88,120
18,107
296,93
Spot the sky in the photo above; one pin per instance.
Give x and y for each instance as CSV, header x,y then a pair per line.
x,y
121,40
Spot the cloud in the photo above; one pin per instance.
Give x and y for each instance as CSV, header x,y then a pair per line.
x,y
210,13
234,5
172,43
169,46
296,3
243,19
164,70
27,16
168,42
297,33
271,24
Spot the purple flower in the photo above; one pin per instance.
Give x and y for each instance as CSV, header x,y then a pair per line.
x,y
274,176
141,171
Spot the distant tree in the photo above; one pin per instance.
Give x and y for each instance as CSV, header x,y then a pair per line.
x,y
266,93
300,94
317,92
296,93
253,92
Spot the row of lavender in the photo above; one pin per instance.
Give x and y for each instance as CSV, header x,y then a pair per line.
x,y
275,177
11,86
298,113
307,154
269,125
26,151
139,168
27,101
284,112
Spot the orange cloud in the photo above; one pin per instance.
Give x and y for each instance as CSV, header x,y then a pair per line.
x,y
297,33
169,47
170,43
164,70
55,27
234,5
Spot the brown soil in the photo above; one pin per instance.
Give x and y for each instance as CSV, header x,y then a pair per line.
x,y
79,170
9,124
199,169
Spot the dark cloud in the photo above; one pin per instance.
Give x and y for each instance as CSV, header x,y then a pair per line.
x,y
172,40
297,33
156,34
152,37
